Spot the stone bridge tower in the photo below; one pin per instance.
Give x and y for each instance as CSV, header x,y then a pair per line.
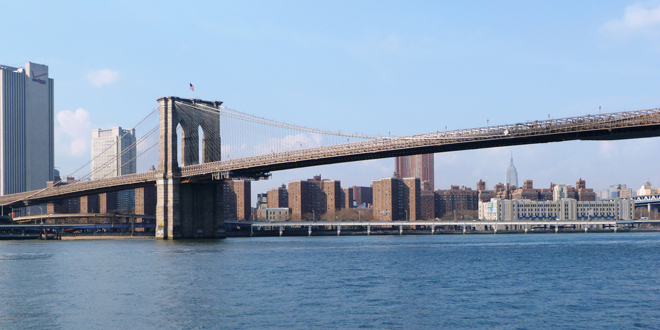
x,y
188,209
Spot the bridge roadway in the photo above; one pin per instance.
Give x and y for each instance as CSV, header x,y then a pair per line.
x,y
464,224
612,126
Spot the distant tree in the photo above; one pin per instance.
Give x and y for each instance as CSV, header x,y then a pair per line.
x,y
355,214
328,216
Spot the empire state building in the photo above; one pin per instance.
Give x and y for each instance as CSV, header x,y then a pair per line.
x,y
511,175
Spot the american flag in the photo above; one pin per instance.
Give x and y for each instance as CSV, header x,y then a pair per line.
x,y
192,88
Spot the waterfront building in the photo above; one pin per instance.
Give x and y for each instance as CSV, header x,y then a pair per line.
x,y
580,192
456,200
262,201
388,199
412,198
417,166
363,196
397,199
275,214
145,200
511,177
236,200
484,194
278,197
560,191
333,195
26,128
562,207
428,205
526,192
481,185
314,199
347,198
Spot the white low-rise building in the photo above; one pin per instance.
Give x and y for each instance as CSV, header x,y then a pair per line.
x,y
563,209
275,214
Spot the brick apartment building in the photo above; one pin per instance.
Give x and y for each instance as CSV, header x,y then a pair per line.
x,y
397,199
236,200
314,198
278,197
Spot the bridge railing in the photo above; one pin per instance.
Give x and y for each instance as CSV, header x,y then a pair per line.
x,y
80,186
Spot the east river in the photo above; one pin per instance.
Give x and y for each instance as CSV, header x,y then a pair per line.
x,y
552,281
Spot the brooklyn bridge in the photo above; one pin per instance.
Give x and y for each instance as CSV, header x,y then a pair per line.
x,y
188,146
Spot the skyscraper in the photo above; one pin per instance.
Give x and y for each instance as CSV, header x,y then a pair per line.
x,y
511,175
416,166
113,154
26,128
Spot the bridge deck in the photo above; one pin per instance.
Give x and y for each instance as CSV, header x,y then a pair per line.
x,y
623,125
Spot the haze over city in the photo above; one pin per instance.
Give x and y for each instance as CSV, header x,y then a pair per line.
x,y
375,68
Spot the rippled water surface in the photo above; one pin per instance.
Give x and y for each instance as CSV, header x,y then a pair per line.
x,y
553,281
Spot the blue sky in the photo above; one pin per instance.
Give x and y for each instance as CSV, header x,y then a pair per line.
x,y
360,66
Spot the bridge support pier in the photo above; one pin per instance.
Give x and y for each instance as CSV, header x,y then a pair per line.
x,y
432,229
400,230
338,230
368,230
192,209
556,229
526,227
189,210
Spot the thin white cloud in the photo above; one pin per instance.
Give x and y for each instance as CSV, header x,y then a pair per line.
x,y
289,142
636,20
75,128
392,42
102,77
